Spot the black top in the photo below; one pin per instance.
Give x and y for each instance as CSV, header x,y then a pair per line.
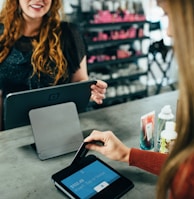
x,y
16,69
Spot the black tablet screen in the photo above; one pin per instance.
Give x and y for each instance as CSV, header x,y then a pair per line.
x,y
90,180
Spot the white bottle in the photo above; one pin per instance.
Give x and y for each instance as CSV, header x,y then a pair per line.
x,y
164,116
168,136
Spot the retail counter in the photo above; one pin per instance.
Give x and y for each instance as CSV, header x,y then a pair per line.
x,y
23,175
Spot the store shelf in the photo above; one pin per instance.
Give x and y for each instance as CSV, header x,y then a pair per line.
x,y
115,42
125,97
131,77
89,26
117,100
107,49
103,64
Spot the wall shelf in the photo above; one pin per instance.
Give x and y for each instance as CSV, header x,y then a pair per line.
x,y
102,64
115,42
125,86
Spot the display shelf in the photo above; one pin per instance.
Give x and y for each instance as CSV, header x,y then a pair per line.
x,y
115,42
117,100
89,26
104,58
102,64
125,97
129,77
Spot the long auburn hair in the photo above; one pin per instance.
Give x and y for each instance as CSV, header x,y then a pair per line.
x,y
46,50
181,14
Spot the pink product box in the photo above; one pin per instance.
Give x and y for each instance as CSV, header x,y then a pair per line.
x,y
118,34
104,16
98,58
121,54
101,37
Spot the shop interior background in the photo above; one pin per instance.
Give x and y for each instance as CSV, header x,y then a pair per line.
x,y
152,13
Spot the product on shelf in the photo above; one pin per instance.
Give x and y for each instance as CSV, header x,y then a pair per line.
x,y
114,52
105,16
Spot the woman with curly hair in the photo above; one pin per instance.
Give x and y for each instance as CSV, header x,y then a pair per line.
x,y
38,49
176,170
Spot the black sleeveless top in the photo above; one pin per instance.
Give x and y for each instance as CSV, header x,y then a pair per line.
x,y
16,69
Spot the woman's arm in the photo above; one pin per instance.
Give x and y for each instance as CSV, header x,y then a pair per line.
x,y
147,160
98,90
78,60
81,74
114,149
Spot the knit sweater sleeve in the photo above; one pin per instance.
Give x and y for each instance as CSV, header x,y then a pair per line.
x,y
183,181
147,160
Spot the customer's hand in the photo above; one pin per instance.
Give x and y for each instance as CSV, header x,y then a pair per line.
x,y
98,91
112,147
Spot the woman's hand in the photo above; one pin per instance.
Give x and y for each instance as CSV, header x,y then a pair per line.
x,y
112,147
98,91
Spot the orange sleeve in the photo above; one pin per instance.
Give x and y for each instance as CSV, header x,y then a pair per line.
x,y
183,181
147,160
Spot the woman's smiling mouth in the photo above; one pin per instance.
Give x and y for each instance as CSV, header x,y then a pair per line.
x,y
36,6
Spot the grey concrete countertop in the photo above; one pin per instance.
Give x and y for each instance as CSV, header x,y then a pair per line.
x,y
23,175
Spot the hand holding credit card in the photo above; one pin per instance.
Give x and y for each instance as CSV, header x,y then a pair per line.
x,y
82,151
